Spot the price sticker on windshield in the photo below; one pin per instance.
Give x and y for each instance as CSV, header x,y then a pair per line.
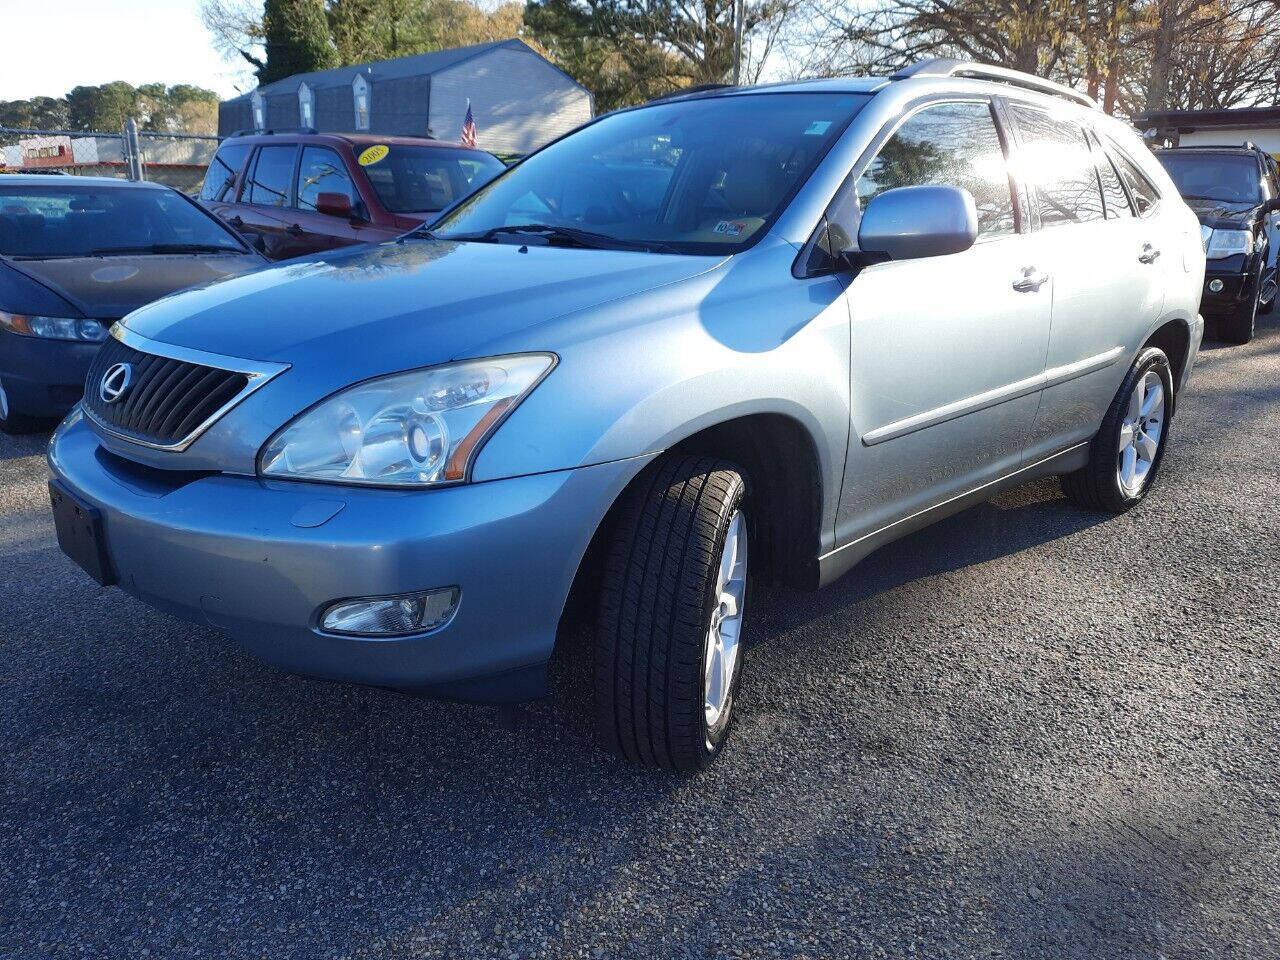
x,y
372,155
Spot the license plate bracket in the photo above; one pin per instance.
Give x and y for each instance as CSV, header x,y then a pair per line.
x,y
81,533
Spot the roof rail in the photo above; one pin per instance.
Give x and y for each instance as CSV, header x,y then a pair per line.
x,y
1247,145
267,133
947,67
682,91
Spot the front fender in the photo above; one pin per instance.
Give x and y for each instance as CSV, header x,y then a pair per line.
x,y
639,375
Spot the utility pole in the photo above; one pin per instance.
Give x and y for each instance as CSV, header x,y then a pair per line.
x,y
739,10
132,150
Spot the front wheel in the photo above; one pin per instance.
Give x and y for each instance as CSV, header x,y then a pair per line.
x,y
1126,452
668,650
1238,326
1270,291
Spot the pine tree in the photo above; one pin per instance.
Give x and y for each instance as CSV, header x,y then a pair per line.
x,y
297,39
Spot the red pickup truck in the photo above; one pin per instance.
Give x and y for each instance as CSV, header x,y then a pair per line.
x,y
294,193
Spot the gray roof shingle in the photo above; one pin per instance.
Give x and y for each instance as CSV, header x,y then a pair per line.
x,y
420,64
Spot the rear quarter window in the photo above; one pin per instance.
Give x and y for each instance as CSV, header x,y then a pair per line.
x,y
220,178
1141,189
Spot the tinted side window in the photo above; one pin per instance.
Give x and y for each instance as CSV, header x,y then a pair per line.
x,y
268,185
1055,160
955,144
1115,201
322,171
220,178
1145,195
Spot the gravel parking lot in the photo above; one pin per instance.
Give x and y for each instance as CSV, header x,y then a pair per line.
x,y
1029,731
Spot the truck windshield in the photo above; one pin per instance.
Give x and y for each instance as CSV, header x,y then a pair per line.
x,y
425,179
101,221
703,176
1228,177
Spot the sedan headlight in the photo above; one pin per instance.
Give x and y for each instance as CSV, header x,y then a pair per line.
x,y
53,328
408,429
1227,243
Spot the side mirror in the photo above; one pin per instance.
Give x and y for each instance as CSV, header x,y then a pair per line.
x,y
1271,206
334,205
912,222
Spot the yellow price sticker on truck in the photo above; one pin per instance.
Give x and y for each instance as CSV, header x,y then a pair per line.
x,y
372,155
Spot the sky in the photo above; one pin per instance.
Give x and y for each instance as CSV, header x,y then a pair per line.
x,y
51,46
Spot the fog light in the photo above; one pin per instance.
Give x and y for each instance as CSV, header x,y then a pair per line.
x,y
1215,286
392,616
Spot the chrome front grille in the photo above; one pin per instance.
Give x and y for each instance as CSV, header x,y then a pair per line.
x,y
170,395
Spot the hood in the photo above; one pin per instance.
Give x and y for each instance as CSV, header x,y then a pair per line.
x,y
108,288
399,305
1226,214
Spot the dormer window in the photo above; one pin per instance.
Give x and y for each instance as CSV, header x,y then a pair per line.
x,y
258,102
360,97
306,106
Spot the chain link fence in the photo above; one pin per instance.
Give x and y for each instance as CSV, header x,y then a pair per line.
x,y
177,159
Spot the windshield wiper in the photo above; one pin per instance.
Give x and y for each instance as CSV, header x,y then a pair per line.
x,y
422,231
1201,196
568,235
160,248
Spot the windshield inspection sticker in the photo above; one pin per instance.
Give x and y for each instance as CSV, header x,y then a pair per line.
x,y
817,128
372,155
732,228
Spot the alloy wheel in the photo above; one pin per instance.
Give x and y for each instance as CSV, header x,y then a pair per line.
x,y
724,635
1140,433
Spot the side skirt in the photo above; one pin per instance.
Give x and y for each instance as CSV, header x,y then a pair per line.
x,y
832,566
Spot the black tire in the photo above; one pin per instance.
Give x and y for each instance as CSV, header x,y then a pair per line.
x,y
14,422
1096,486
656,602
1238,326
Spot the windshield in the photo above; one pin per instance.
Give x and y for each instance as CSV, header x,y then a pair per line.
x,y
698,176
66,220
1231,178
425,179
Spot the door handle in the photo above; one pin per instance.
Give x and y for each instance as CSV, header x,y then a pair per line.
x,y
1030,281
294,230
1149,254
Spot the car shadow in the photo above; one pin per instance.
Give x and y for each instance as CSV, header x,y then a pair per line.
x,y
1017,520
18,446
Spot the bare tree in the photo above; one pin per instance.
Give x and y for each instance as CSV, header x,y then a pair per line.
x,y
1128,54
236,26
1235,62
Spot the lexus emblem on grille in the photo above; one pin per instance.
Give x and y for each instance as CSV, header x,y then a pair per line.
x,y
115,382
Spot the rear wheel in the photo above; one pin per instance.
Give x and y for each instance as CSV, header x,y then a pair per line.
x,y
1125,455
668,650
11,421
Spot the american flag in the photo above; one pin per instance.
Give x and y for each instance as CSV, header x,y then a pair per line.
x,y
469,128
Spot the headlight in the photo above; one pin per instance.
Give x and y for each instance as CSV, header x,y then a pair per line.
x,y
408,429
1227,243
53,328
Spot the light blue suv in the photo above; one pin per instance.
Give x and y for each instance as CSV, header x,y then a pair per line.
x,y
739,333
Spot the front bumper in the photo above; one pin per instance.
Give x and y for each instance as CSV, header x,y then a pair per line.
x,y
258,560
44,378
1237,286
